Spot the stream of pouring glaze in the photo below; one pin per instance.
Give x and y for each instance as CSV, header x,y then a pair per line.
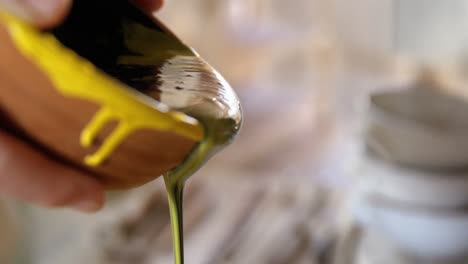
x,y
174,88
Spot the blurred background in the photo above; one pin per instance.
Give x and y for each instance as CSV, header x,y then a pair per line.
x,y
304,70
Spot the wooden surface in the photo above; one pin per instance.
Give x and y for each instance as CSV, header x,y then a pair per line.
x,y
53,122
279,223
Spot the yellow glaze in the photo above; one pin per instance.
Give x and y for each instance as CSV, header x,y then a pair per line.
x,y
75,77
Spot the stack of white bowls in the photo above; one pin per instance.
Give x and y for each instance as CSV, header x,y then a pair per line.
x,y
414,186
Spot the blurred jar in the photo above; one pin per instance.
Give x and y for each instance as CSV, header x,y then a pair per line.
x,y
394,39
393,45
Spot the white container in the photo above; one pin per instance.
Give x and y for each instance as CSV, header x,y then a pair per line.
x,y
420,128
413,186
428,234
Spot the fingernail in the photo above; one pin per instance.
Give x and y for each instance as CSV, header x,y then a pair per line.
x,y
88,206
34,11
16,8
42,9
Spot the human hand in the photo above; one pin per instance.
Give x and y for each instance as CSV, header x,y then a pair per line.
x,y
26,173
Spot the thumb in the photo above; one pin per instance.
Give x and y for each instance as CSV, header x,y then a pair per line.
x,y
42,13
